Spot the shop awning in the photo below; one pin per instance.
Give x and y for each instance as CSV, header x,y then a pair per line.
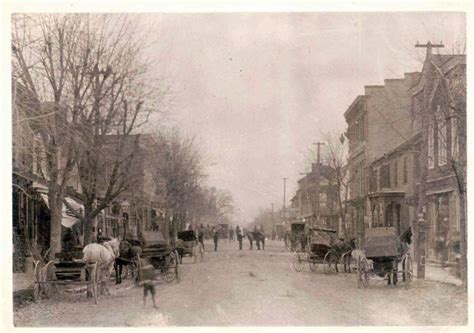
x,y
68,219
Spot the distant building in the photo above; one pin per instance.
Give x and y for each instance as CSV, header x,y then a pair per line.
x,y
305,202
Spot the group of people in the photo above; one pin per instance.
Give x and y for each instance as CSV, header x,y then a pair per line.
x,y
256,235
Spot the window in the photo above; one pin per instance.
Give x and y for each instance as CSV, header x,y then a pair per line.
x,y
405,170
442,143
431,163
373,181
385,176
395,174
454,137
323,199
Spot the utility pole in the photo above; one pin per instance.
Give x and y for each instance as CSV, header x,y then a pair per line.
x,y
284,198
419,229
318,179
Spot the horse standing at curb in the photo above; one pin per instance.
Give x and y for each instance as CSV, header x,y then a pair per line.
x,y
127,254
104,254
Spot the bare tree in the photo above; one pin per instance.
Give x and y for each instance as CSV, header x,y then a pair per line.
x,y
44,50
119,94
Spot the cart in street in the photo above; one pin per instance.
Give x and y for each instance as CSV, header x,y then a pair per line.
x,y
66,269
188,245
163,257
321,252
384,253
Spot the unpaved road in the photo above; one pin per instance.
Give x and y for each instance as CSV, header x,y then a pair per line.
x,y
255,288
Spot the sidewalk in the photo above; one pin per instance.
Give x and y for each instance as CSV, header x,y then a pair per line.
x,y
440,274
22,281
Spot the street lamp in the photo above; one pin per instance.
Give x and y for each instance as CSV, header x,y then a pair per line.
x,y
125,209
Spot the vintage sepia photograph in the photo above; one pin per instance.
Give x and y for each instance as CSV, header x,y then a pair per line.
x,y
237,168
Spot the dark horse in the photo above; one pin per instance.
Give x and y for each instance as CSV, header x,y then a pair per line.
x,y
127,255
259,238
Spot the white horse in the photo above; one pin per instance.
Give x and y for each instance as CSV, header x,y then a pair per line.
x,y
104,255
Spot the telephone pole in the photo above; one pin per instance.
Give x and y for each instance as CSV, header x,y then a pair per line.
x,y
419,229
318,179
284,199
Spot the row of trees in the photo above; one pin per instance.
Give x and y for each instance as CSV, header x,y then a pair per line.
x,y
81,86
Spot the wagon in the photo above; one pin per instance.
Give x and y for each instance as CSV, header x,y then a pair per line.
x,y
162,257
320,252
187,244
67,269
383,252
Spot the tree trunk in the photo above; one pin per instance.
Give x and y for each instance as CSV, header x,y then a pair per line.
x,y
55,206
89,234
463,236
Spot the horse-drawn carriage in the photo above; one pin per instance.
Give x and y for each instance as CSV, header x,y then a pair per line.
x,y
162,257
384,252
66,269
187,244
323,250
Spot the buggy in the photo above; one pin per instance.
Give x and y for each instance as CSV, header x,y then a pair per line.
x,y
187,244
322,251
67,269
383,251
161,256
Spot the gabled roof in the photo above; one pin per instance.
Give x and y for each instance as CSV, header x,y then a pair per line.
x,y
446,62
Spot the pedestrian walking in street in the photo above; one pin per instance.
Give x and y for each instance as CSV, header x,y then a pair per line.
x,y
201,236
216,238
240,237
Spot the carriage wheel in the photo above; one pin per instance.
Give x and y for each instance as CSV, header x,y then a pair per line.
x,y
170,271
298,263
362,272
408,271
194,254
330,263
48,273
38,276
346,261
313,266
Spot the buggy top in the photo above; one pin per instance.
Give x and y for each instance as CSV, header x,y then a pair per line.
x,y
187,236
154,239
381,242
322,236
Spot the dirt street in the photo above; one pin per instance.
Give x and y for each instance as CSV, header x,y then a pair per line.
x,y
255,288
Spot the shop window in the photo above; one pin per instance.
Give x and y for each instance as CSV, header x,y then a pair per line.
x,y
405,170
385,176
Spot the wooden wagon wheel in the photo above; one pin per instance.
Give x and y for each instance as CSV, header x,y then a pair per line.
x,y
407,270
169,270
330,262
312,261
39,277
298,263
346,261
48,273
194,254
362,272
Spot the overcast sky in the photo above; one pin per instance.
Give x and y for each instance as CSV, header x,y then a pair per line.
x,y
257,89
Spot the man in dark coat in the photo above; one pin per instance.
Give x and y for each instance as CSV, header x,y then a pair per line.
x,y
216,238
240,237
